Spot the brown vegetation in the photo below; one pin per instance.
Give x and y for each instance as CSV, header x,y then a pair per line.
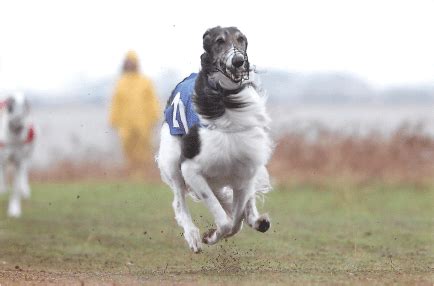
x,y
67,170
404,156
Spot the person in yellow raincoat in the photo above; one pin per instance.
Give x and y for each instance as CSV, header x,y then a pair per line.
x,y
134,112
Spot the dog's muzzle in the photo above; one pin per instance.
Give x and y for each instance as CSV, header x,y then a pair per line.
x,y
235,65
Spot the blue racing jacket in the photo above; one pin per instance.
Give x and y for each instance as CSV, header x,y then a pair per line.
x,y
179,113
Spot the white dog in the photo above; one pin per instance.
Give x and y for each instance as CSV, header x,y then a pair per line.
x,y
16,145
215,142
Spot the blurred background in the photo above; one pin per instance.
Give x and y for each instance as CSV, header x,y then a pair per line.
x,y
345,79
351,96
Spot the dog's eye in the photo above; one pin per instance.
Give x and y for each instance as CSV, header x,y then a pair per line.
x,y
240,40
220,41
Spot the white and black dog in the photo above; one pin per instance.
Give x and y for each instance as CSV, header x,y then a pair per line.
x,y
215,142
16,145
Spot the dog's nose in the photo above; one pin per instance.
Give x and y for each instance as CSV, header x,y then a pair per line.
x,y
238,60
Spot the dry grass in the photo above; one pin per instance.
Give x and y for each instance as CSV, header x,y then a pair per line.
x,y
67,170
318,156
405,156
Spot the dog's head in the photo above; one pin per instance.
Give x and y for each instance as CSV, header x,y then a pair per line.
x,y
17,108
226,53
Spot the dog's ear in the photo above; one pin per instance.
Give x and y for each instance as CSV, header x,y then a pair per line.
x,y
204,58
207,41
245,39
10,104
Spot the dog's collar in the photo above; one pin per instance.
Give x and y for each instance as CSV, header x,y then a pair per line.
x,y
227,92
30,137
218,87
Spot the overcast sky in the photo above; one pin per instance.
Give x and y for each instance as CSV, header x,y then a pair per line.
x,y
47,45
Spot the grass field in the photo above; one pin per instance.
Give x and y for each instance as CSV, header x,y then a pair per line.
x,y
125,233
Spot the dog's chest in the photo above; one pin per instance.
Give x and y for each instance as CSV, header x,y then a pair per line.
x,y
16,146
226,154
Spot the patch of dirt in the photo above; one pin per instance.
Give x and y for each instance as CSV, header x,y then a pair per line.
x,y
33,277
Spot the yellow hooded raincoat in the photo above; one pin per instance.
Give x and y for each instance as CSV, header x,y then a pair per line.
x,y
134,112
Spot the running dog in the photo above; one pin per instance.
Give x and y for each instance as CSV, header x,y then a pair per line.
x,y
215,142
16,145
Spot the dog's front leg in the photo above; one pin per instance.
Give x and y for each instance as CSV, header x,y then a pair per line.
x,y
241,196
22,178
183,217
253,218
14,207
259,222
199,185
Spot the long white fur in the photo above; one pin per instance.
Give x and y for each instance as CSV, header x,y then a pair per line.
x,y
226,174
14,152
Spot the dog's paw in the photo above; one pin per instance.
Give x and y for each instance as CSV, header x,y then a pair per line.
x,y
263,223
14,209
210,237
193,239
